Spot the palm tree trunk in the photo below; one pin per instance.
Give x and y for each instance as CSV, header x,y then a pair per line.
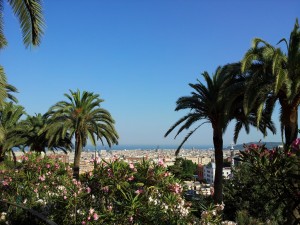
x,y
218,183
77,156
290,119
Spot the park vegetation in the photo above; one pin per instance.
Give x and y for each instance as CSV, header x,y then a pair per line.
x,y
264,188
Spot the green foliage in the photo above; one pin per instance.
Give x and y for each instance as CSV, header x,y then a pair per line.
x,y
10,115
217,101
30,18
183,169
33,133
83,118
264,184
114,193
274,75
243,218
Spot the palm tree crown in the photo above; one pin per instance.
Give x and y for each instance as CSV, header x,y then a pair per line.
x,y
218,102
32,133
83,118
10,115
275,75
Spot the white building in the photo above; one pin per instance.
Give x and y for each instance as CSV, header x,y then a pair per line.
x,y
209,172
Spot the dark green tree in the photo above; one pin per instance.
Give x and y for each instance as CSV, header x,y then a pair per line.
x,y
32,133
264,184
29,13
274,75
218,102
82,118
183,169
10,115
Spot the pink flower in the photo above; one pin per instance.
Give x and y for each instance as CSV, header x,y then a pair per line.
x,y
130,178
91,211
131,219
296,144
176,188
139,191
83,222
161,163
131,166
65,197
35,190
5,183
167,174
42,178
48,165
109,172
253,146
88,190
96,217
98,160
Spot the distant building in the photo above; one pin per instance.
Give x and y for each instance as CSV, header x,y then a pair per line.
x,y
203,160
209,172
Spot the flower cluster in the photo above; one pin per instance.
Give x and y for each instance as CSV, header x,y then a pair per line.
x,y
130,193
213,215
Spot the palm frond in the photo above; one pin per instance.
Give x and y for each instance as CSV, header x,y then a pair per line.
x,y
3,41
185,139
29,13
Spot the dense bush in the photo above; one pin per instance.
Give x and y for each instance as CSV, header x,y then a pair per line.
x,y
266,184
114,193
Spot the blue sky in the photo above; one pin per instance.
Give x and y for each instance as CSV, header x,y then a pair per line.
x,y
139,56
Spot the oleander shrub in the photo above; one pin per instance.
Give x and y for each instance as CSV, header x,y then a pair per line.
x,y
113,193
266,184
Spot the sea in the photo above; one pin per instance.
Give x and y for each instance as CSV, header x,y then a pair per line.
x,y
146,147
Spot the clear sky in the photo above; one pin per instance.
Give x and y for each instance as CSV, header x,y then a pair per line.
x,y
139,56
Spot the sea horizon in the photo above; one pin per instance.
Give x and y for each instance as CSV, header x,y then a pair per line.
x,y
145,147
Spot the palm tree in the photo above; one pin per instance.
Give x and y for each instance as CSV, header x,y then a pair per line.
x,y
29,13
275,76
84,119
6,89
32,132
210,104
5,92
9,118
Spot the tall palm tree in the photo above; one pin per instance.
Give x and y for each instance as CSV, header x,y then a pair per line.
x,y
83,117
10,116
32,132
209,104
274,76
